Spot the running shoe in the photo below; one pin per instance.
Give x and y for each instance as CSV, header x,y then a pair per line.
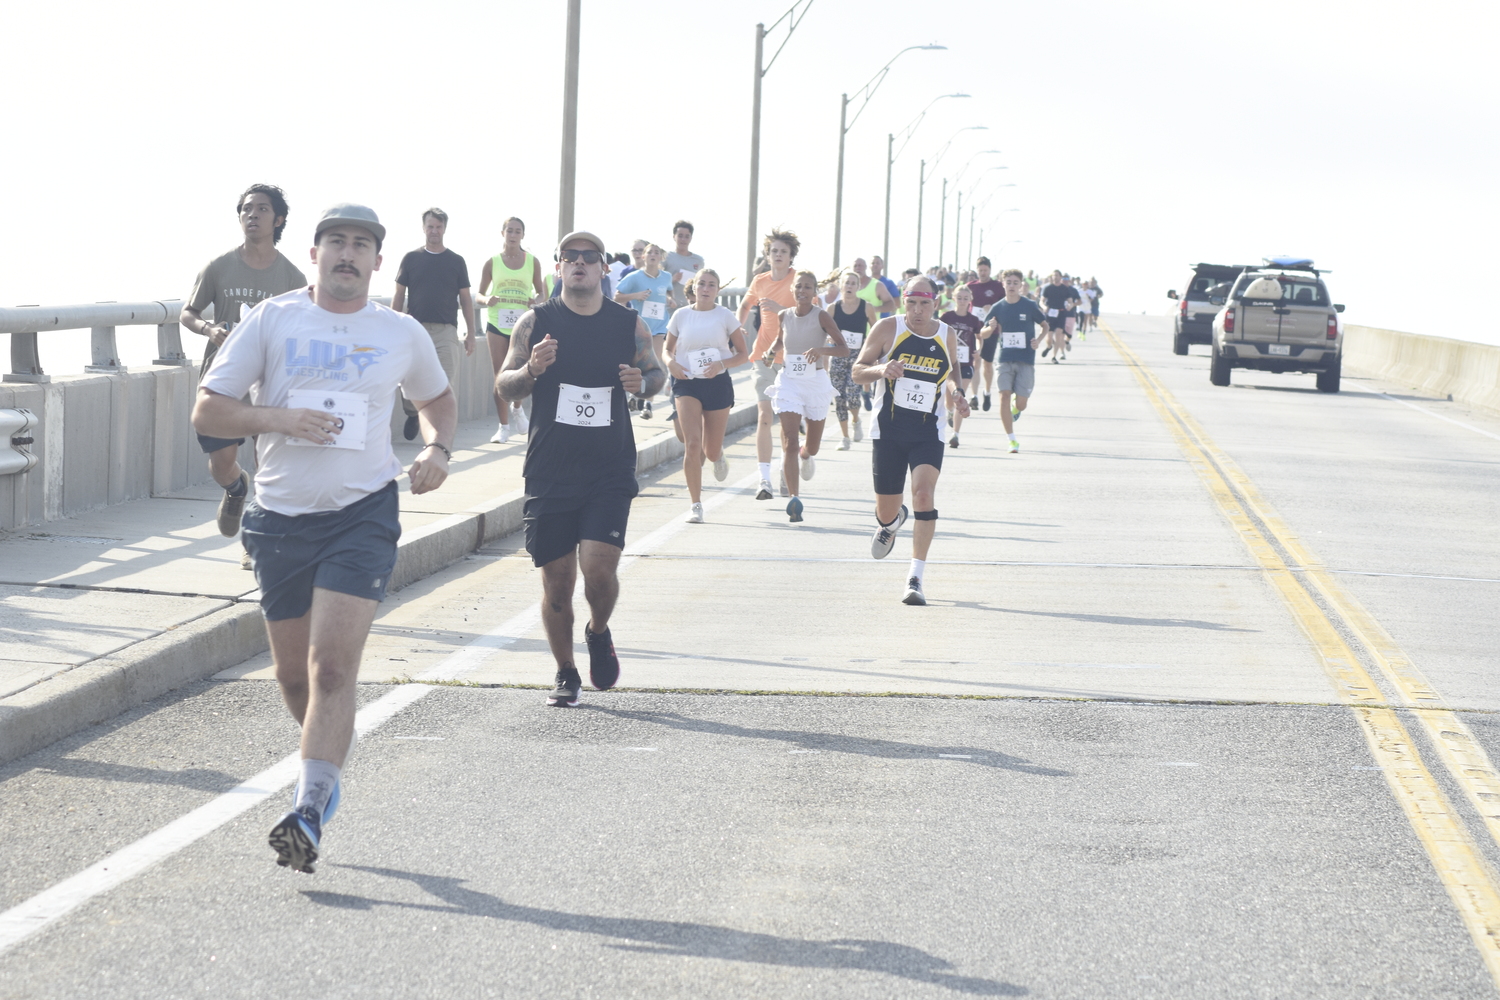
x,y
973,402
1046,350
232,508
845,445
986,401
885,535
565,694
604,665
646,410
695,514
866,395
333,799
914,593
721,469
501,435
808,466
859,431
409,431
1015,446
1054,361
765,490
295,839
953,441
794,509
784,491
518,420
1015,414
246,562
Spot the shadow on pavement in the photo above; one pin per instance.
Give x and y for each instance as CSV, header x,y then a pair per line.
x,y
1102,619
198,778
680,938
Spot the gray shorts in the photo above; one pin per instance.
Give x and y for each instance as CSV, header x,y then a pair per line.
x,y
764,376
1017,377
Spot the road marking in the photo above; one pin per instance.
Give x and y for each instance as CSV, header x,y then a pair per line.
x,y
1441,830
51,904
1430,413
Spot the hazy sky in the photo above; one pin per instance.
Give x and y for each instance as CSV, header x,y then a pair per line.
x,y
1140,136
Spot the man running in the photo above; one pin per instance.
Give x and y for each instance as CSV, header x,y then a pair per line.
x,y
437,280
768,294
234,282
986,293
1012,324
579,356
1056,296
681,263
910,359
324,364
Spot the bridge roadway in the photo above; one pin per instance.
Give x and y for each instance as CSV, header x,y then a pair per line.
x,y
1116,756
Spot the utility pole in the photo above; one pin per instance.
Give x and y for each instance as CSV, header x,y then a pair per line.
x,y
943,224
760,41
838,199
567,184
885,247
958,231
971,232
921,186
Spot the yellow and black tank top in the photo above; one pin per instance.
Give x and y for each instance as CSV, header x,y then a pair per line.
x,y
512,286
911,408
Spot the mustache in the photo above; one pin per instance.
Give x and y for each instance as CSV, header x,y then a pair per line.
x,y
346,269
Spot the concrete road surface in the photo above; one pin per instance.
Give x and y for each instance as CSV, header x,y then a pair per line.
x,y
1154,736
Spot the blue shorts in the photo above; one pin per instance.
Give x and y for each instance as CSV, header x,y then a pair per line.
x,y
351,550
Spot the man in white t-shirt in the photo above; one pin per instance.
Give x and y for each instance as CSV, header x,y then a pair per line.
x,y
322,365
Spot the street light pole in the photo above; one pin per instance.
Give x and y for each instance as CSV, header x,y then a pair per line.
x,y
567,182
943,224
922,190
891,152
958,228
921,186
761,31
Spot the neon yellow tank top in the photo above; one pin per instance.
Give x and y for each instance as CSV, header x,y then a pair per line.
x,y
871,293
513,289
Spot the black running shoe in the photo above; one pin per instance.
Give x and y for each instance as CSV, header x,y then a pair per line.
x,y
295,839
409,430
1046,350
565,694
604,665
986,401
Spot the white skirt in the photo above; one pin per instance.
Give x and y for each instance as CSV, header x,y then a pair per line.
x,y
808,395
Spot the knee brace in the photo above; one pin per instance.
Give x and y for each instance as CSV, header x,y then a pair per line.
x,y
925,515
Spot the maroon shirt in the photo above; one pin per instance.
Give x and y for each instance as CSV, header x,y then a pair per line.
x,y
986,294
967,329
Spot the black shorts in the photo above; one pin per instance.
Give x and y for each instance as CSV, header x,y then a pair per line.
x,y
987,347
494,331
213,444
965,371
891,459
555,525
715,393
351,550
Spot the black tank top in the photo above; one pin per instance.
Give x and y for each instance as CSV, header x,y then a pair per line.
x,y
855,322
567,460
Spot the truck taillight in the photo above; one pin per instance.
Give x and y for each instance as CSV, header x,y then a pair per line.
x,y
1229,321
1183,307
1333,328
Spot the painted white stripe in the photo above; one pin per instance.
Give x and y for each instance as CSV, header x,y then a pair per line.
x,y
25,919
1430,413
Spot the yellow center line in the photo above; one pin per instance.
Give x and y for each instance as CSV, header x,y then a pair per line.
x,y
1438,826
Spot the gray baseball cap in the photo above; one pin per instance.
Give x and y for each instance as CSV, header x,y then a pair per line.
x,y
351,214
581,234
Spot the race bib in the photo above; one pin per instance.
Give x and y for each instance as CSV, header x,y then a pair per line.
x,y
653,310
914,394
797,366
508,318
1052,312
584,407
1012,338
698,362
963,353
685,276
350,409
854,340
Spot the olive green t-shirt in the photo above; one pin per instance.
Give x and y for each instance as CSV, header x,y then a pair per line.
x,y
228,282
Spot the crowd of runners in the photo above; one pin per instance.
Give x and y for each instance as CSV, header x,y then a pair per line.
x,y
581,344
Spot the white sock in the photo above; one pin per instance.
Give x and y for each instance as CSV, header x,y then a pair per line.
x,y
315,786
765,471
917,566
1012,436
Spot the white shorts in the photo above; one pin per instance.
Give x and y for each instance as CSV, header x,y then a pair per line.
x,y
809,395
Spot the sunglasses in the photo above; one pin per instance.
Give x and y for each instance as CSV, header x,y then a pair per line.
x,y
585,256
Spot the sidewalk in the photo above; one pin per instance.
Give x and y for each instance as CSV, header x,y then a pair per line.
x,y
112,608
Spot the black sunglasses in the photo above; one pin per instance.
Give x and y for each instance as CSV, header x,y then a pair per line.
x,y
586,256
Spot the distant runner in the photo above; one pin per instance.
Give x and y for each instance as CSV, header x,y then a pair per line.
x,y
1012,322
768,294
513,279
963,321
854,317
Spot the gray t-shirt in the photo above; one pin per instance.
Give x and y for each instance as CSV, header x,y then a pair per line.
x,y
228,282
674,262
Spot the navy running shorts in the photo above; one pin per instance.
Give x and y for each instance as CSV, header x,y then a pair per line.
x,y
555,525
890,460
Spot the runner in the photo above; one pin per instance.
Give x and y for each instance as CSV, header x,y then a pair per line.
x,y
807,339
1012,323
233,283
649,292
986,293
770,291
854,317
909,359
967,324
432,284
682,263
515,279
571,355
324,364
892,296
873,290
1054,298
704,341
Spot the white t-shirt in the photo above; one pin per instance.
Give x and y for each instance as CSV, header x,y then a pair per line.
x,y
288,345
697,330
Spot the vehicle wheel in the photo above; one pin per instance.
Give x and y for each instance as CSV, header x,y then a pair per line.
x,y
1329,381
1179,343
1218,368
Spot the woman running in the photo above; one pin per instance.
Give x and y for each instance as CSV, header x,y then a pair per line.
x,y
649,292
513,275
703,343
807,339
854,317
967,325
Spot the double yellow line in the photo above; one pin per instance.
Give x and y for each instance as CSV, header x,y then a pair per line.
x,y
1302,580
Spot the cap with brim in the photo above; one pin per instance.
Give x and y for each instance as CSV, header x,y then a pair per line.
x,y
581,235
350,214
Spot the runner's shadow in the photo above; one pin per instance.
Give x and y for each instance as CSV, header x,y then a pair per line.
x,y
1101,619
675,938
834,743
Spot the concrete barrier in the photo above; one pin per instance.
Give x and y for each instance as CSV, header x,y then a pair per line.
x,y
1468,372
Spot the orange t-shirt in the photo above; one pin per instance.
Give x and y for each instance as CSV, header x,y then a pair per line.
x,y
770,298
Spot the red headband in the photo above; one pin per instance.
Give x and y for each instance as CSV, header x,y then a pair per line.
x,y
919,295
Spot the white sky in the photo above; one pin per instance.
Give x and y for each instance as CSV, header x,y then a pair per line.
x,y
1140,137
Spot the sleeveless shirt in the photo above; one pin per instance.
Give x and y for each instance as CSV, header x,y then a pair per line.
x,y
563,459
800,334
512,287
855,322
926,360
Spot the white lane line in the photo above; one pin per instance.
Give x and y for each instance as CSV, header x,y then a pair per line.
x,y
1430,413
957,756
25,919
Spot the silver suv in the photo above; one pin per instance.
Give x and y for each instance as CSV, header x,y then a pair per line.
x,y
1202,295
1279,318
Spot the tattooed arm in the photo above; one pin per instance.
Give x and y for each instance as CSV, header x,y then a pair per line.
x,y
522,363
644,376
